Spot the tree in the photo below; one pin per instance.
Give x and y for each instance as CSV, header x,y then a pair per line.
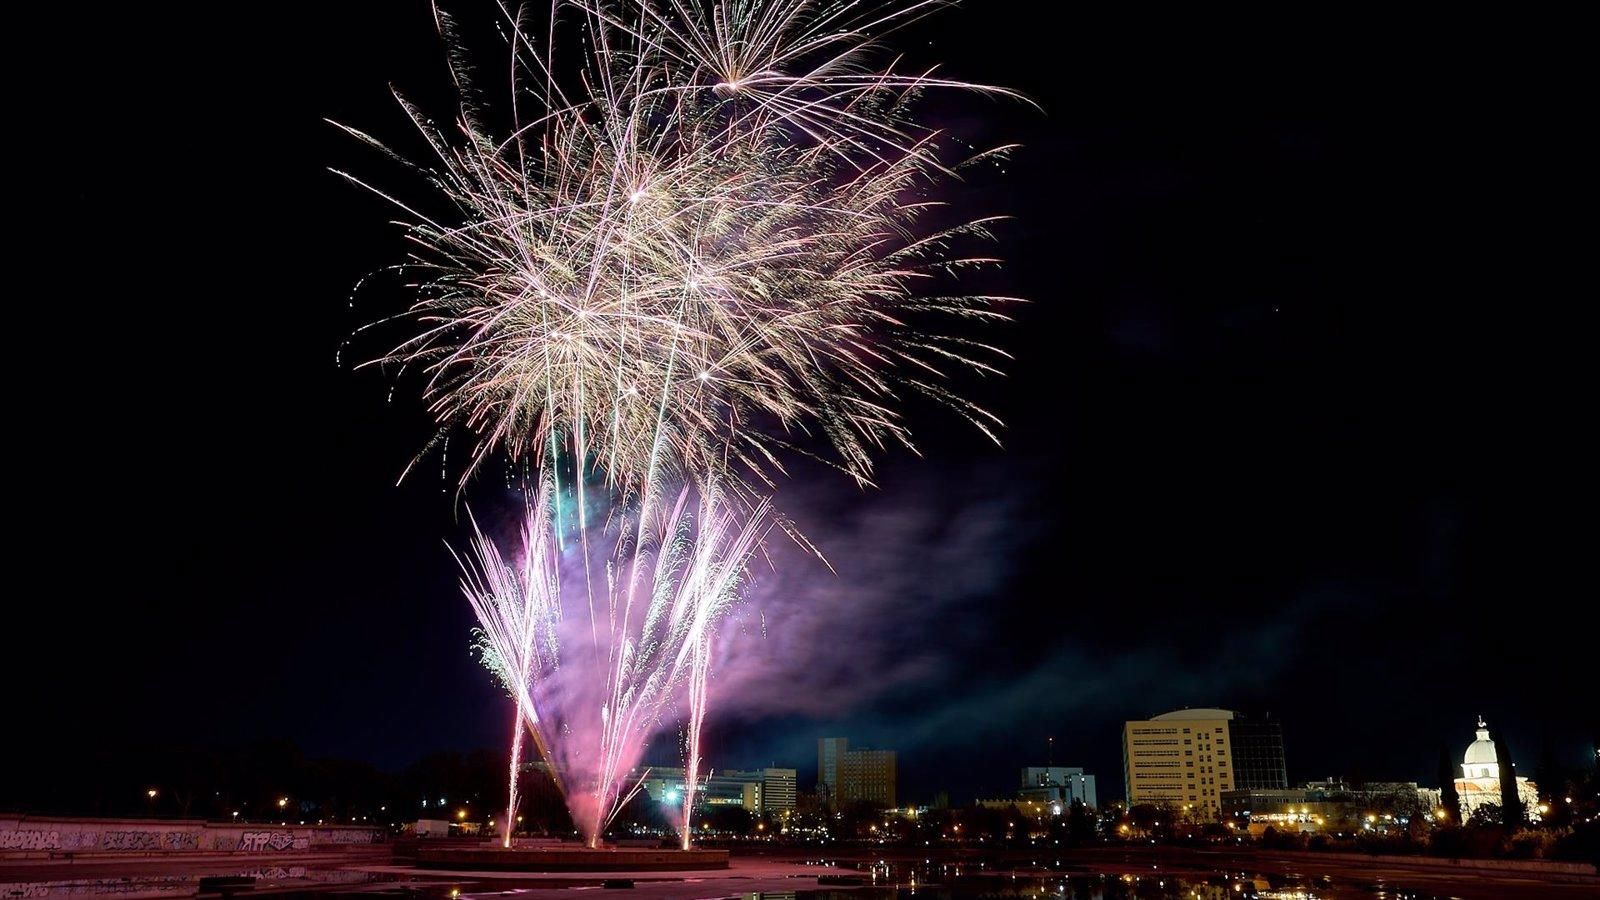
x,y
1145,816
1485,814
1080,825
1449,797
1511,811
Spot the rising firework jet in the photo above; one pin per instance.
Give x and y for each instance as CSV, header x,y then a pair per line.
x,y
602,642
704,244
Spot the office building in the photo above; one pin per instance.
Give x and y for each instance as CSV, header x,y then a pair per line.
x,y
830,761
853,776
1330,805
1257,747
777,787
745,789
778,790
1058,787
869,776
1184,760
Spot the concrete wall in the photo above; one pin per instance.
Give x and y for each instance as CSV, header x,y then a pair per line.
x,y
50,835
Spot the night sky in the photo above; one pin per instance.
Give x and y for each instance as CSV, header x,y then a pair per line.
x,y
1288,430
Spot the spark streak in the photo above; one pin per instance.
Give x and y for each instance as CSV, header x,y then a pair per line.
x,y
593,688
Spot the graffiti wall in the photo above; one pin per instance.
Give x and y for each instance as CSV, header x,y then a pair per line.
x,y
53,836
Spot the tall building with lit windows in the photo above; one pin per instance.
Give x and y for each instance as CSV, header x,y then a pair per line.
x,y
830,767
777,790
1184,760
868,775
849,776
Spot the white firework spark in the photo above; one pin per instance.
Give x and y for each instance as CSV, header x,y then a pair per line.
x,y
708,243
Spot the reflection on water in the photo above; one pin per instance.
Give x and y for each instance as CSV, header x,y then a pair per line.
x,y
880,880
1105,887
136,887
1051,880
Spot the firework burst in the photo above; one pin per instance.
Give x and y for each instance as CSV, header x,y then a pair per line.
x,y
711,246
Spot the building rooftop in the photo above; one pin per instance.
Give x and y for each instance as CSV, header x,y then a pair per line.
x,y
1481,752
1202,713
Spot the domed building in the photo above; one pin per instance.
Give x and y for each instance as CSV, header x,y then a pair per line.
x,y
1480,777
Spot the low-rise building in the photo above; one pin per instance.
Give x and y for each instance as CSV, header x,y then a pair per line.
x,y
1330,805
1057,787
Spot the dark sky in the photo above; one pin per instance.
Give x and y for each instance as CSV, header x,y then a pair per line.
x,y
1294,425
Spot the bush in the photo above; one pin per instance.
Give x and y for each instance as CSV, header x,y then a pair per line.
x,y
1385,844
1531,844
1486,842
1273,839
1449,841
1581,844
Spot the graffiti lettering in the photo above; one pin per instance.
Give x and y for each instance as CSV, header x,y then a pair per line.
x,y
168,885
346,836
30,840
272,840
130,840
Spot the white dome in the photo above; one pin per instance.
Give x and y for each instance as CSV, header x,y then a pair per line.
x,y
1481,751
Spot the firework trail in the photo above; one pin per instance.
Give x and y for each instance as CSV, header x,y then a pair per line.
x,y
695,241
601,644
